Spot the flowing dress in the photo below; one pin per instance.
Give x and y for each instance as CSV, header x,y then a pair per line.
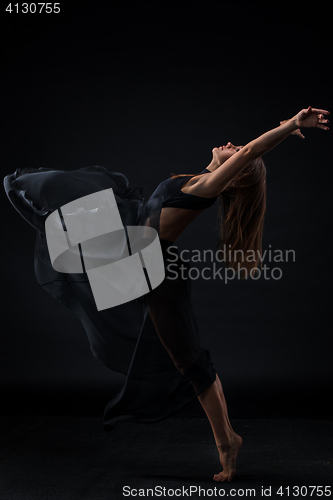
x,y
153,340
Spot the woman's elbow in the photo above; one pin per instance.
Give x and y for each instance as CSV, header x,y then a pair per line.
x,y
252,151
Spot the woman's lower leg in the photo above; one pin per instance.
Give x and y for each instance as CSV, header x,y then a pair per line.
x,y
215,410
224,403
227,441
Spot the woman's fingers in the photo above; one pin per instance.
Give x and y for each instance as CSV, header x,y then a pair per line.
x,y
298,133
323,111
322,120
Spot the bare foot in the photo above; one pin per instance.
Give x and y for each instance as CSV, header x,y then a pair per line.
x,y
228,455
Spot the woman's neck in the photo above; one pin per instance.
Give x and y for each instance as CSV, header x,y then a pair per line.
x,y
213,165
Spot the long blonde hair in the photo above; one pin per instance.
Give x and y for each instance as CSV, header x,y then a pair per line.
x,y
242,207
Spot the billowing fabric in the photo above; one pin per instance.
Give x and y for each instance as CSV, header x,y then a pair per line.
x,y
153,340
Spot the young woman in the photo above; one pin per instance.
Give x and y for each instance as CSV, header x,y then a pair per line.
x,y
155,340
238,175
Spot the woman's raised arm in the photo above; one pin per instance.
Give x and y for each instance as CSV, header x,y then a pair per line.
x,y
220,178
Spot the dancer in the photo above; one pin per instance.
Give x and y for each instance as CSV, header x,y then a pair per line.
x,y
155,340
238,174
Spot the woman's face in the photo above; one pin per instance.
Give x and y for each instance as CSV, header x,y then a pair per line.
x,y
222,153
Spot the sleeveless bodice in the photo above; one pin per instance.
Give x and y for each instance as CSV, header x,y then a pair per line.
x,y
173,196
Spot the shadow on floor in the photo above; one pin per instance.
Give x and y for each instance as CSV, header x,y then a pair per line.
x,y
73,458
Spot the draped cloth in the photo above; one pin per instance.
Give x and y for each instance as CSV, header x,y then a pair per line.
x,y
153,340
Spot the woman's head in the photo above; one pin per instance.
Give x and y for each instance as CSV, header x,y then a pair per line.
x,y
221,154
242,211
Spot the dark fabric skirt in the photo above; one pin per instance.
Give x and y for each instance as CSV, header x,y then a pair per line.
x,y
153,340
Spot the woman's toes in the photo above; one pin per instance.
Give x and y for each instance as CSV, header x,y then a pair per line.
x,y
221,477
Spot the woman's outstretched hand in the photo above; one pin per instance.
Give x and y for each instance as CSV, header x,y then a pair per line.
x,y
310,118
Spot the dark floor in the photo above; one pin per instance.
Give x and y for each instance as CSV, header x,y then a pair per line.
x,y
73,458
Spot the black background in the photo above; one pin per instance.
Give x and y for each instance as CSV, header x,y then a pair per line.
x,y
149,88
